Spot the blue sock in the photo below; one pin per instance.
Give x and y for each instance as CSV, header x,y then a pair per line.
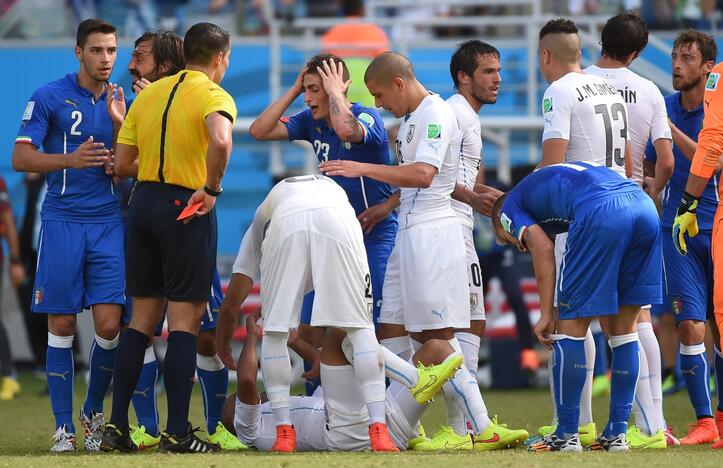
x,y
601,354
144,396
694,366
569,373
718,364
214,384
624,377
59,370
101,363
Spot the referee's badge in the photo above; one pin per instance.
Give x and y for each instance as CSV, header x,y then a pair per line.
x,y
473,301
410,133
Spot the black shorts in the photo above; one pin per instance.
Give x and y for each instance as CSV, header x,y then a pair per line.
x,y
164,257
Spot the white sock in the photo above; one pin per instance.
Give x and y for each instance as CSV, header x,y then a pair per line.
x,y
276,369
399,345
209,363
150,355
455,416
369,371
586,395
470,350
650,346
398,369
468,399
550,365
643,406
107,344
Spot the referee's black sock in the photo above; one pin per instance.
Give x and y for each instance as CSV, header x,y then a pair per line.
x,y
128,365
179,369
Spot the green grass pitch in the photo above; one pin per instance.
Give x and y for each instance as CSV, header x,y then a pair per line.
x,y
27,425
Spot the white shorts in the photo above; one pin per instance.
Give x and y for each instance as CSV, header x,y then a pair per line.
x,y
474,277
255,425
323,250
425,286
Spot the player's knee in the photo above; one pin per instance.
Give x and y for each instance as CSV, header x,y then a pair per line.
x,y
206,344
107,330
691,332
61,325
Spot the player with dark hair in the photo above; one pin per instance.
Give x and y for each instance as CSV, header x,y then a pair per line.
x,y
694,278
81,234
176,141
340,130
623,39
613,234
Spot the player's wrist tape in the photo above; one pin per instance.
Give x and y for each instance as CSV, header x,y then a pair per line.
x,y
212,192
688,204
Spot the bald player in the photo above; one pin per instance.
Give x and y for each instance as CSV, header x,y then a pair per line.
x,y
426,292
585,120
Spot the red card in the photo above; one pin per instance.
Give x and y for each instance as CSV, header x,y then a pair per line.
x,y
189,211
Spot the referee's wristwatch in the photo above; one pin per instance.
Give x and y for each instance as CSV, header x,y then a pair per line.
x,y
212,192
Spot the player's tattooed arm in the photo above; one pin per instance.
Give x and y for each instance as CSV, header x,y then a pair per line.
x,y
268,125
344,122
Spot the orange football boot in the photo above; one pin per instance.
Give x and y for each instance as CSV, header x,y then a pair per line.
x,y
285,439
380,440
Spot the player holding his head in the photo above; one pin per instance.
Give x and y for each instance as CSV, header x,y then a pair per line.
x,y
623,39
80,253
475,69
158,54
611,268
340,130
425,289
585,120
692,279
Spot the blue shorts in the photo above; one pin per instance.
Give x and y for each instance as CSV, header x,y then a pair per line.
x,y
377,257
79,265
613,258
688,279
210,316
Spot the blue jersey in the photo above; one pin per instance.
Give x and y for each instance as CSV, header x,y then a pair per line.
x,y
689,123
363,192
58,118
552,196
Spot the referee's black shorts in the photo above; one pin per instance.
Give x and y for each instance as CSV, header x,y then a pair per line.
x,y
164,257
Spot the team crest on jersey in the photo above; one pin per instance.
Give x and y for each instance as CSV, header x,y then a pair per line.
x,y
677,305
712,83
547,105
434,131
29,110
506,223
38,296
410,133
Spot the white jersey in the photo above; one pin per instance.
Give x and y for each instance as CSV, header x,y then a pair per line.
x,y
470,153
646,111
590,114
289,196
430,135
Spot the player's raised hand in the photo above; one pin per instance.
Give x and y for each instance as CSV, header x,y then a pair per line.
x,y
544,328
344,168
299,83
116,104
140,84
88,154
332,77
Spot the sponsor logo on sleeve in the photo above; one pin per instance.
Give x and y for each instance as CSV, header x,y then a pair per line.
x,y
712,83
434,131
28,110
547,105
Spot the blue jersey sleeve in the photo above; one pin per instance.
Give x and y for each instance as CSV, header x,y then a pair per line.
x,y
514,218
650,154
373,125
298,125
36,120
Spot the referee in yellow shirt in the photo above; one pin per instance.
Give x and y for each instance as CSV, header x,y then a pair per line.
x,y
176,141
